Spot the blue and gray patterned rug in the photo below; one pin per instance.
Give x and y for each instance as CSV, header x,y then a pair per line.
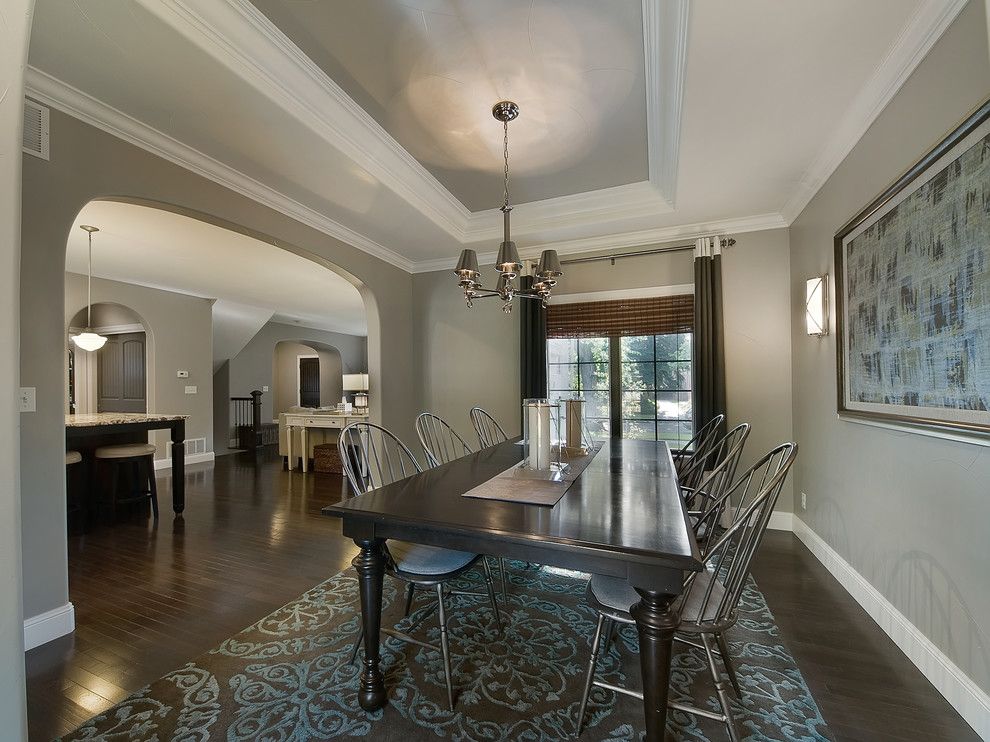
x,y
287,677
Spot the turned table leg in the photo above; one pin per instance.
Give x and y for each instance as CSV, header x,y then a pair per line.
x,y
370,566
656,622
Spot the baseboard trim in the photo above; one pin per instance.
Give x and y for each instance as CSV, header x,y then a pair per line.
x,y
781,521
49,625
965,696
192,458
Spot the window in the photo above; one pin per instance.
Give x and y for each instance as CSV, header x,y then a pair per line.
x,y
581,366
655,383
639,385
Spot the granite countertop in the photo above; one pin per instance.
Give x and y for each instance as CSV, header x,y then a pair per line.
x,y
118,418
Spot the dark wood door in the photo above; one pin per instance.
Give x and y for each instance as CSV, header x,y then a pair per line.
x,y
309,382
120,377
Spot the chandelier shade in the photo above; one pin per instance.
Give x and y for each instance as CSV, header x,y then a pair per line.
x,y
508,259
549,265
467,267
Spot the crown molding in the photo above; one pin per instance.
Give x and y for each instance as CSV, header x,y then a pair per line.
x,y
244,40
625,240
929,21
53,92
665,45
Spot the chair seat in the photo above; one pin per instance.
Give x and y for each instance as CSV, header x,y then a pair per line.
x,y
72,457
418,559
125,451
616,594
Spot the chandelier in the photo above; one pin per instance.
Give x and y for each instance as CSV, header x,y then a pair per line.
x,y
507,263
89,340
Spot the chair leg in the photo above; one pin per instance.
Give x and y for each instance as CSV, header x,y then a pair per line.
x,y
357,646
114,481
609,633
445,648
491,594
592,662
723,647
410,594
720,690
501,576
152,485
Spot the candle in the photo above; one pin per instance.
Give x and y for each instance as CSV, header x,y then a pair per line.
x,y
575,423
539,436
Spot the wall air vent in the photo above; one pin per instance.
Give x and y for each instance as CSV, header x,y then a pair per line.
x,y
194,446
35,138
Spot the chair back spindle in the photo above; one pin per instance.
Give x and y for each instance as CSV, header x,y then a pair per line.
x,y
373,456
489,432
697,447
440,442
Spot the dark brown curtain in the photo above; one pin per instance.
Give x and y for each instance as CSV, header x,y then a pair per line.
x,y
709,341
533,345
659,315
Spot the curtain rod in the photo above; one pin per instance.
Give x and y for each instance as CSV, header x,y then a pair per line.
x,y
728,242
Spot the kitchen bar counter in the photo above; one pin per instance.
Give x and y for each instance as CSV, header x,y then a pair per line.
x,y
87,431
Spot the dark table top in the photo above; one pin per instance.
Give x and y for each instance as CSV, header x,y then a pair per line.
x,y
626,503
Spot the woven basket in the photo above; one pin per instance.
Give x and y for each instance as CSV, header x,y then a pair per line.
x,y
326,459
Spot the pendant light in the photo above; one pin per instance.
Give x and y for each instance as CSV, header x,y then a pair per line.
x,y
89,340
507,263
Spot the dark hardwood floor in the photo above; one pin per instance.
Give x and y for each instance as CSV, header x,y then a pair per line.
x,y
150,598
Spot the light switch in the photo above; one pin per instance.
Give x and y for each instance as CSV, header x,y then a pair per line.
x,y
191,390
182,374
264,388
28,399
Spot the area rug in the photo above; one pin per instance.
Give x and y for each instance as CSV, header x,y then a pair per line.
x,y
287,678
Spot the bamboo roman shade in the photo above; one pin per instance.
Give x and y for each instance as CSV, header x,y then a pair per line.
x,y
656,315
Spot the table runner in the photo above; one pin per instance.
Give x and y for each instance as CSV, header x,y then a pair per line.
x,y
518,484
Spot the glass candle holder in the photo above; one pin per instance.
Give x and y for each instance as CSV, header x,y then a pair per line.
x,y
541,430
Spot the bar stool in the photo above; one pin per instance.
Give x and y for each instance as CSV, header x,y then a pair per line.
x,y
141,456
72,504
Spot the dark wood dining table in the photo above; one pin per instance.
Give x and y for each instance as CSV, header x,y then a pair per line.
x,y
623,516
85,432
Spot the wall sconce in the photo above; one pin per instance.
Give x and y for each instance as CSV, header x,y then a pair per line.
x,y
816,306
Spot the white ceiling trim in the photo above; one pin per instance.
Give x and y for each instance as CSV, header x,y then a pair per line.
x,y
242,38
665,46
63,97
929,21
624,240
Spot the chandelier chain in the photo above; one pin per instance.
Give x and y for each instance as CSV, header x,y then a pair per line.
x,y
505,155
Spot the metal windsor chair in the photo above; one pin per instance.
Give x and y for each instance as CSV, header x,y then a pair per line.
x,y
709,603
372,457
722,460
441,444
697,447
489,431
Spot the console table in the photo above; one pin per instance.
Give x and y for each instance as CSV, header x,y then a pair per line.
x,y
305,420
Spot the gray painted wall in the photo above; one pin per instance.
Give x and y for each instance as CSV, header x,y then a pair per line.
x,y
254,366
14,33
910,513
471,356
86,164
179,332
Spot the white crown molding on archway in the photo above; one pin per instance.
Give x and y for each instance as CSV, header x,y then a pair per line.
x,y
51,91
254,48
926,26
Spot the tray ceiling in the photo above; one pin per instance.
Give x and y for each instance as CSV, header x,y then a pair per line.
x,y
429,71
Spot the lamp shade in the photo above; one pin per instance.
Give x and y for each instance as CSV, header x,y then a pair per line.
x,y
508,259
467,266
816,306
549,265
355,382
89,340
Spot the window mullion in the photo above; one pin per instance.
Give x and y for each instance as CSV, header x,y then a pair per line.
x,y
615,385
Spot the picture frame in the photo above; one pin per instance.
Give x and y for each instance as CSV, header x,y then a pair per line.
x,y
912,293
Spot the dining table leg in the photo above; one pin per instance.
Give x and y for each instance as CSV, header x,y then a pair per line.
x,y
178,430
370,567
656,622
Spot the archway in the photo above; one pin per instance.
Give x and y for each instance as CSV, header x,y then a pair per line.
x,y
128,383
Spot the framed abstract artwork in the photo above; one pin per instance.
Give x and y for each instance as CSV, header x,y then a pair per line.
x,y
912,275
